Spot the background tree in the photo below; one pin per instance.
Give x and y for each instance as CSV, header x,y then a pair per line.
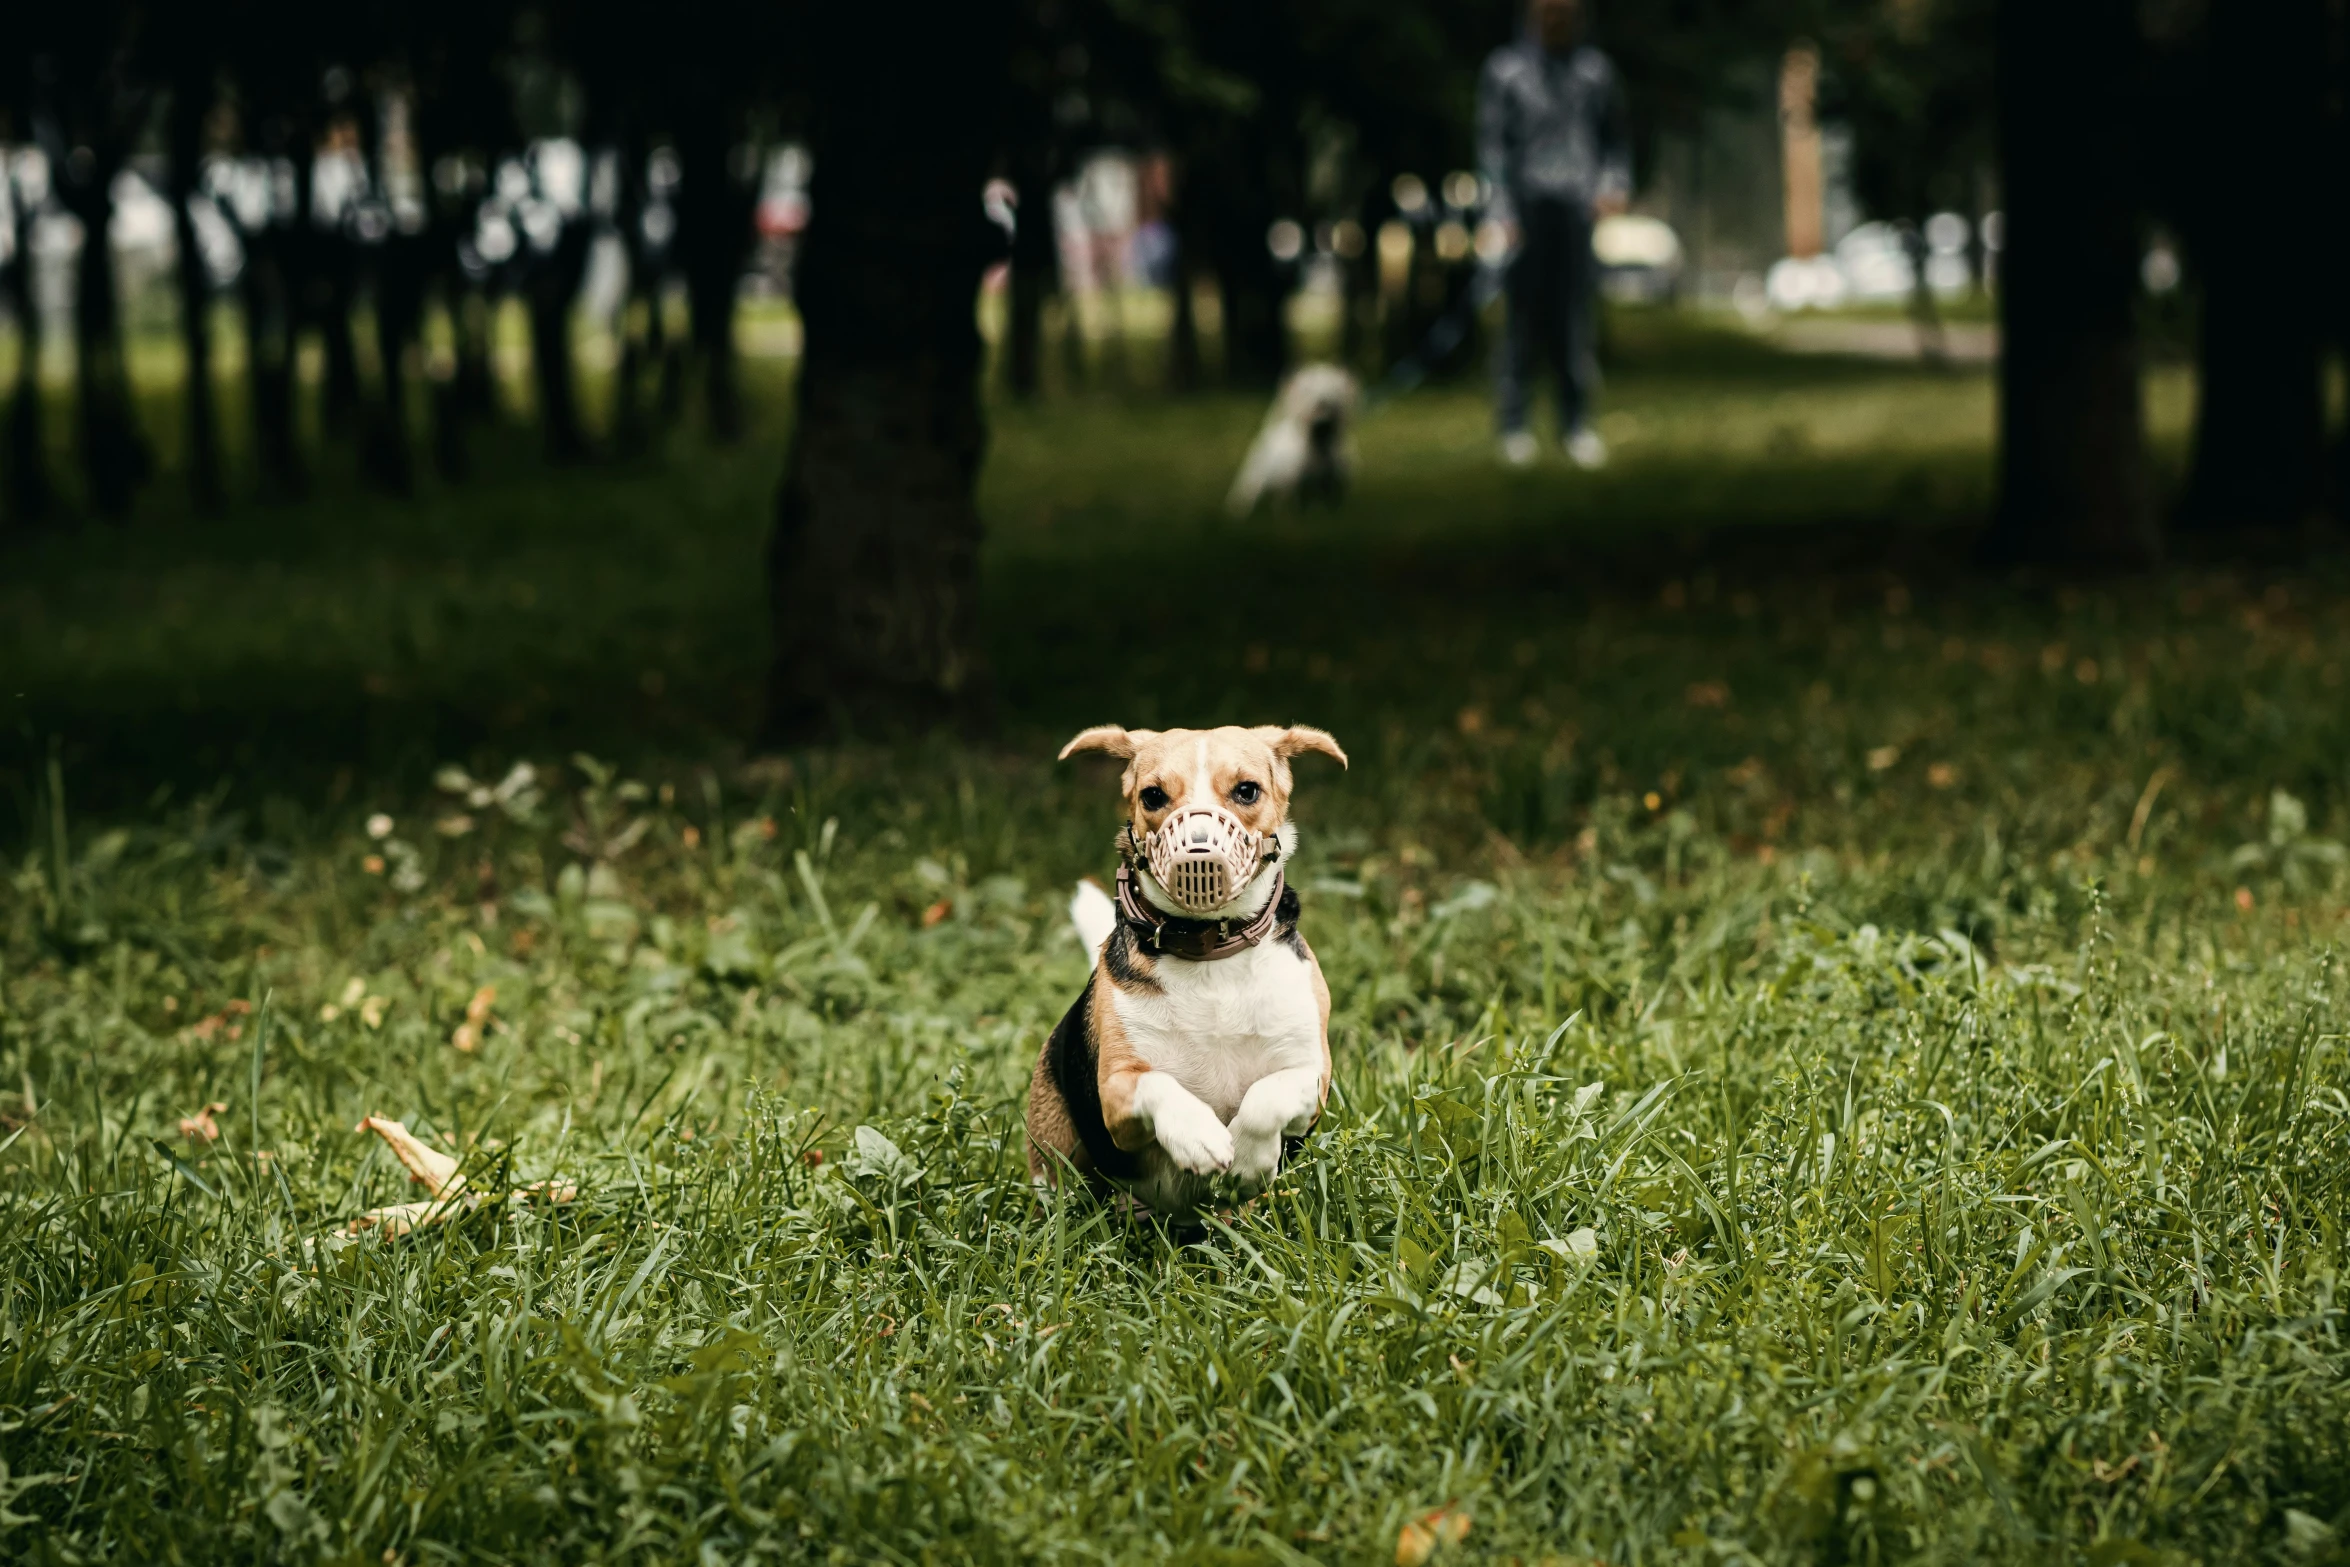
x,y
1914,81
2073,486
2257,233
874,559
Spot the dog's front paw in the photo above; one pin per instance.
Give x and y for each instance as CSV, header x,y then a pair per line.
x,y
1256,1157
1196,1140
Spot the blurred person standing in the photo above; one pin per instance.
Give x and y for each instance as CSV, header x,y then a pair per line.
x,y
1553,147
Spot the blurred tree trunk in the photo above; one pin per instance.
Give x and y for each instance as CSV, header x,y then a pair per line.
x,y
403,267
397,266
873,565
1256,336
1358,302
2073,481
2258,236
189,102
114,458
1033,264
334,292
552,287
2335,232
451,409
1236,178
638,348
473,321
1183,371
31,500
714,231
271,289
269,357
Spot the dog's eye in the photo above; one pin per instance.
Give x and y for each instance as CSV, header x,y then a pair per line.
x,y
1154,798
1245,793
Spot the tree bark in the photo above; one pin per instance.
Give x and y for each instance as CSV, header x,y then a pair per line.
x,y
629,429
714,230
270,289
115,460
188,105
270,356
403,266
1256,334
1034,262
1183,367
334,294
1239,180
31,500
2073,482
874,560
552,287
2259,238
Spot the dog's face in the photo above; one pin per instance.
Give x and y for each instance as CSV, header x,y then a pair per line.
x,y
1243,771
1320,393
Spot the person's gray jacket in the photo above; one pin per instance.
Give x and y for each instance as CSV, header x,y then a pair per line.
x,y
1551,127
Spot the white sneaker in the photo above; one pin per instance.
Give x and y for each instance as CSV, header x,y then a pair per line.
x,y
1519,448
1585,449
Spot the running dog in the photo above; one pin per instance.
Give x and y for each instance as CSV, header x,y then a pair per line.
x,y
1306,450
1201,1046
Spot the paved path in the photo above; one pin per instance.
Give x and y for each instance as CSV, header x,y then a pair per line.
x,y
1969,342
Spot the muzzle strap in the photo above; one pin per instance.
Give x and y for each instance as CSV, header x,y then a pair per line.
x,y
1195,941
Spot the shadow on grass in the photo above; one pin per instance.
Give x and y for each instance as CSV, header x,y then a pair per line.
x,y
305,650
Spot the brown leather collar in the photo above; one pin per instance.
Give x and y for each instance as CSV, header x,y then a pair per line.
x,y
1197,941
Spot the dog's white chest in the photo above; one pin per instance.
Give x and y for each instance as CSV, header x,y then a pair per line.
x,y
1218,1027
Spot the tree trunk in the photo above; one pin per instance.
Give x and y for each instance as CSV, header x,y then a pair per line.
x,y
1239,183
451,411
2260,241
629,432
1256,335
1925,311
1034,261
1183,371
473,319
403,265
396,264
31,500
714,230
270,357
2073,482
1359,303
114,458
195,297
874,561
553,285
334,296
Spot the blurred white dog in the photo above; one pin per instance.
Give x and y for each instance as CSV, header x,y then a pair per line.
x,y
1306,450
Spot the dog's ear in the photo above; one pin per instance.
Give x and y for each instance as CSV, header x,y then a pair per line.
x,y
1101,737
1297,738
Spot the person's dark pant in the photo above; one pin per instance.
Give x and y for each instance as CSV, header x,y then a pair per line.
x,y
1550,286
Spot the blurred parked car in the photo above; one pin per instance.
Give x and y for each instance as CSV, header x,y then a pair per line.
x,y
1639,258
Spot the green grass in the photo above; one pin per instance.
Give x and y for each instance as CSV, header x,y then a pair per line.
x,y
1926,991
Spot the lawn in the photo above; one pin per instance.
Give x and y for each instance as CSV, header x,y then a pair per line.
x,y
1839,1058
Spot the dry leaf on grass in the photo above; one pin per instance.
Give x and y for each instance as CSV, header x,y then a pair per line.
x,y
437,1173
1418,1539
429,1168
477,1014
201,1126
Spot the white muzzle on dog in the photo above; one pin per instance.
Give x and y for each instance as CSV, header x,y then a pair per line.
x,y
1203,855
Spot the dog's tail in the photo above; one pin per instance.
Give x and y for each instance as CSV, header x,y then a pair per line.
x,y
1094,915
